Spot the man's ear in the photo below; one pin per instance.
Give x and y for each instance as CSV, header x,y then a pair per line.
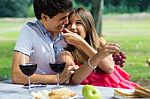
x,y
44,17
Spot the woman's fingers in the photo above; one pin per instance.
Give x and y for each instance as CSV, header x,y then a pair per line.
x,y
72,69
110,48
113,46
72,38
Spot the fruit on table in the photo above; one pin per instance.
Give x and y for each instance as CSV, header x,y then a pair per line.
x,y
91,92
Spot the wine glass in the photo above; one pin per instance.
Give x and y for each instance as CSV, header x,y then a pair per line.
x,y
58,66
27,66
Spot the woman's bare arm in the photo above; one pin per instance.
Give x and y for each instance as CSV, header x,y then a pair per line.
x,y
106,64
81,73
86,69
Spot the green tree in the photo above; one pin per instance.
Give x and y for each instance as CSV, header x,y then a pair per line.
x,y
126,6
84,2
14,8
96,10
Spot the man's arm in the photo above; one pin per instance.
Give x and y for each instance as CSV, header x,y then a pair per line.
x,y
20,78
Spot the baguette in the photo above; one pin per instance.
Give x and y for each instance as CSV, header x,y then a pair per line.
x,y
141,93
142,88
62,93
125,95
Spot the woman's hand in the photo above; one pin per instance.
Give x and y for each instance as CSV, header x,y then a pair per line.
x,y
105,57
70,66
68,71
108,49
72,38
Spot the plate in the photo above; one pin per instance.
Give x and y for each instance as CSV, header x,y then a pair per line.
x,y
76,97
40,94
44,94
123,93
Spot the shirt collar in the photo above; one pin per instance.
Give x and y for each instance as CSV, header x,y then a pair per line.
x,y
45,31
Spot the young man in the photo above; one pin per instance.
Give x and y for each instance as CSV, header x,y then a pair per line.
x,y
42,37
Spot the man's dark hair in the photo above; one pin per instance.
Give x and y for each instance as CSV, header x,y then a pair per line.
x,y
51,7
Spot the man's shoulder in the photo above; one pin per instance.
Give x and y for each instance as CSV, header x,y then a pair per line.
x,y
32,25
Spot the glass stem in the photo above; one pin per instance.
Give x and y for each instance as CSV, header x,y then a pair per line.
x,y
57,80
29,84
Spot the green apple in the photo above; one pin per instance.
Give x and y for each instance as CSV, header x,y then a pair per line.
x,y
90,92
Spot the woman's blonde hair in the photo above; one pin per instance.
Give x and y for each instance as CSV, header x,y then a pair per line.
x,y
91,38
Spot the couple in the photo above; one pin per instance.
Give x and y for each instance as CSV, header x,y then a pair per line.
x,y
88,58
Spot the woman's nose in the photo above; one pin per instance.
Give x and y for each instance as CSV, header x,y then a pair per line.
x,y
73,27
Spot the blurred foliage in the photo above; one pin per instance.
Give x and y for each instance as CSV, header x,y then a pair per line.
x,y
14,8
84,2
78,3
30,12
126,6
24,8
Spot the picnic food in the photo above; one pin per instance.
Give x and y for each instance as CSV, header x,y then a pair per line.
x,y
140,92
64,31
90,92
63,93
119,58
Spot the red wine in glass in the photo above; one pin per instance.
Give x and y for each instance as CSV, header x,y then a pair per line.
x,y
58,68
27,65
28,69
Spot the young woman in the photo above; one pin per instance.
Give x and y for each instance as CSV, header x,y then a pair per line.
x,y
84,44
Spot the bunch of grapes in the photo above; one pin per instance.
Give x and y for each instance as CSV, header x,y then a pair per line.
x,y
64,31
119,58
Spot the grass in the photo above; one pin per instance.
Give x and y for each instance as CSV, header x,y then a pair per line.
x,y
134,47
6,49
9,29
132,34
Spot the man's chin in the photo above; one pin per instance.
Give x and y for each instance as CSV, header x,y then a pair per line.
x,y
58,30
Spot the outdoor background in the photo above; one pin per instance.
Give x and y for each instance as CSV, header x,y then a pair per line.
x,y
126,22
